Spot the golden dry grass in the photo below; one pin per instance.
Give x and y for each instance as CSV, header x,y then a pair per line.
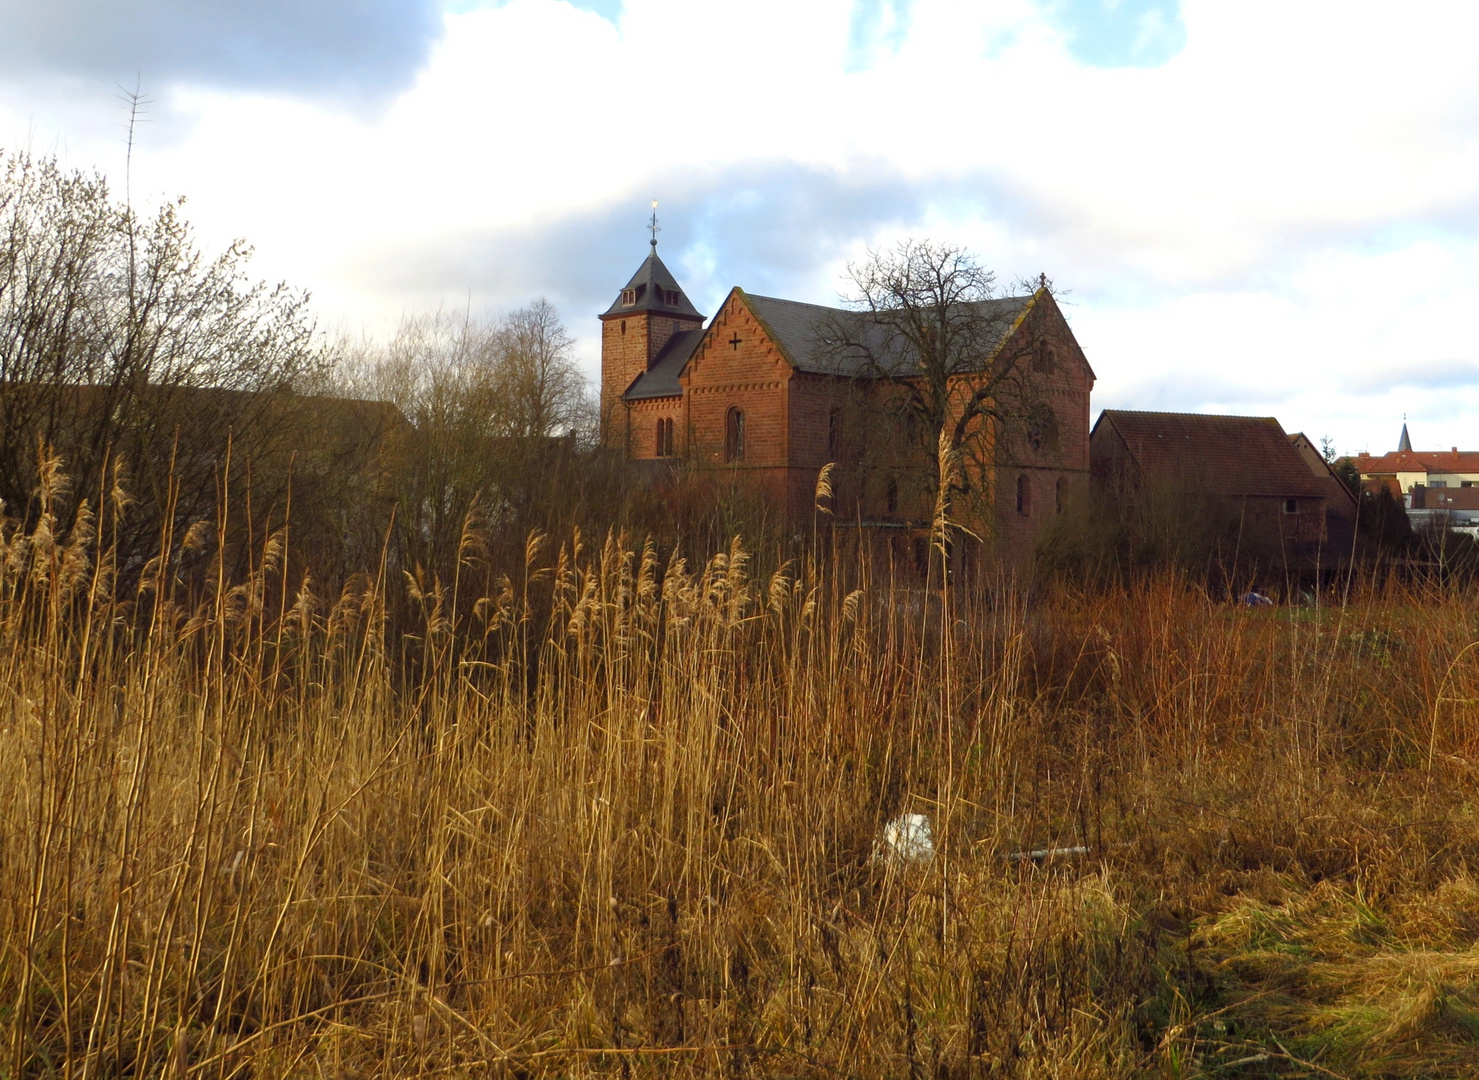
x,y
610,815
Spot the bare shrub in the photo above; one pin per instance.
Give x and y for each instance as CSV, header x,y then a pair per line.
x,y
122,345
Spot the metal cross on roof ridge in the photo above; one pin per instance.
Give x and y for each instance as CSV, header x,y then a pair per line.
x,y
654,226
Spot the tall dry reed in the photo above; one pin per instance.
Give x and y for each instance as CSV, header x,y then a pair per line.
x,y
616,815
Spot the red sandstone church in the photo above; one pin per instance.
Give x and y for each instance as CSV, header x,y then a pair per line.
x,y
757,396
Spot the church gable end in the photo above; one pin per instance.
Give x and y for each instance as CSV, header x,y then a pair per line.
x,y
1058,379
737,377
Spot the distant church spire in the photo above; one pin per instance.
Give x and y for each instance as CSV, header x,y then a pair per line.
x,y
1404,445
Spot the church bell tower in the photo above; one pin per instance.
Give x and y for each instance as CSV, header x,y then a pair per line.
x,y
648,311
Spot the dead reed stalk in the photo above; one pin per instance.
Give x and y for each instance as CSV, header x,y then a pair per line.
x,y
621,816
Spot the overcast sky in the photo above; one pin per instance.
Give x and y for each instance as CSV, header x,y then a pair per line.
x,y
1253,207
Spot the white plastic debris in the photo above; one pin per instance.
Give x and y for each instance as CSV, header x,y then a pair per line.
x,y
1040,854
907,839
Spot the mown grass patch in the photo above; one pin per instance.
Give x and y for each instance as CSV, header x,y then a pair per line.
x,y
1322,979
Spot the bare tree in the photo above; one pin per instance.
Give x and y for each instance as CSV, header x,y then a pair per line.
x,y
496,405
541,389
438,371
928,321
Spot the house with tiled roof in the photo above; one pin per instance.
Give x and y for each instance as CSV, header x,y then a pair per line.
x,y
762,394
1404,468
1245,468
1438,487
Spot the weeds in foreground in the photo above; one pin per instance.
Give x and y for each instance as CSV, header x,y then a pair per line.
x,y
621,816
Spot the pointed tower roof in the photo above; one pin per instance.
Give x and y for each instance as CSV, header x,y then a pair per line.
x,y
652,289
1404,445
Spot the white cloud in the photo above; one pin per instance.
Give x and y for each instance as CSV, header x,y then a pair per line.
x,y
1282,213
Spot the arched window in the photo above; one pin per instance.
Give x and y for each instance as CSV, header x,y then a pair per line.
x,y
1024,495
834,433
891,497
734,435
911,428
665,437
1062,492
1043,362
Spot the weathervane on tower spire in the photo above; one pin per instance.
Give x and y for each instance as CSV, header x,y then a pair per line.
x,y
653,226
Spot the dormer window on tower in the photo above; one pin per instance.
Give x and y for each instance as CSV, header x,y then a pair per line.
x,y
628,297
670,297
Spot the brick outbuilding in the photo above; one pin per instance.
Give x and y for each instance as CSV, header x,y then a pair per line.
x,y
1242,470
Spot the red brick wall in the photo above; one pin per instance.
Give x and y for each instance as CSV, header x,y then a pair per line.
x,y
628,344
752,376
642,418
661,328
812,400
1263,520
1065,388
1305,526
623,357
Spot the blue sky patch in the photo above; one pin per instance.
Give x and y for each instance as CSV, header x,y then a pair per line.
x,y
358,50
1120,33
876,26
610,10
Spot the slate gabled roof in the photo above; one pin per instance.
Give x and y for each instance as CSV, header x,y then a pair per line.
x,y
1213,455
661,379
805,332
652,283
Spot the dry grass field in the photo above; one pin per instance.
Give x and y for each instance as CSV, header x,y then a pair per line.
x,y
616,815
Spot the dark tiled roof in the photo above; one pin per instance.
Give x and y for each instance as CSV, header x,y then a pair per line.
x,y
1214,455
652,284
807,333
661,379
